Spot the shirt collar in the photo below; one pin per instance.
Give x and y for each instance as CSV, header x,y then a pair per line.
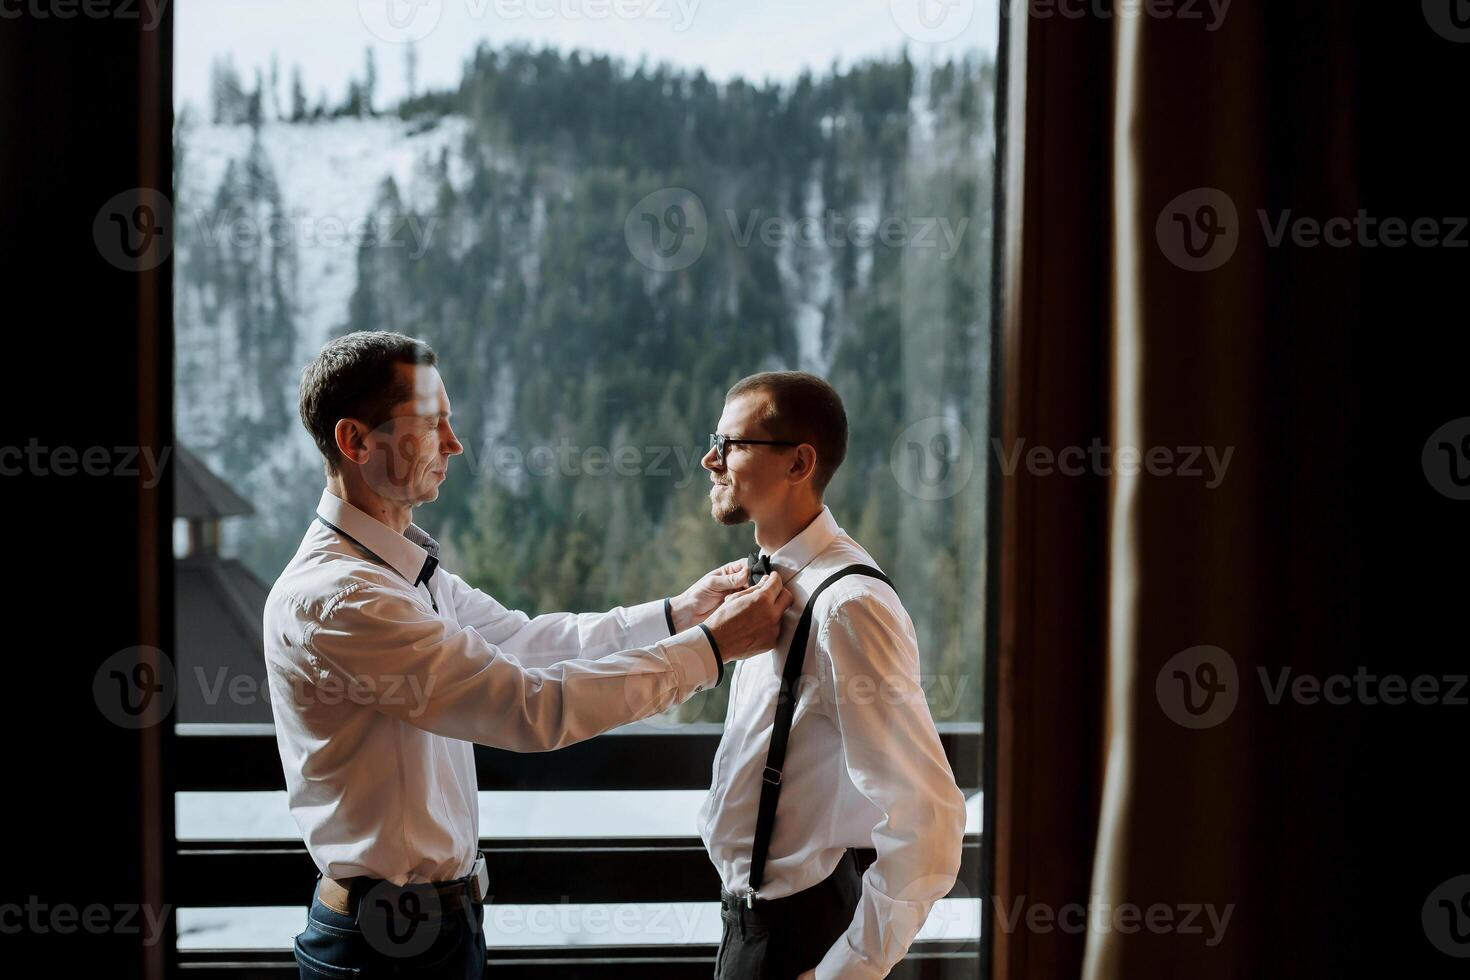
x,y
411,554
798,553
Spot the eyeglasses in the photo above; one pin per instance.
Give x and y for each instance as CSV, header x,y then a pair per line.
x,y
720,443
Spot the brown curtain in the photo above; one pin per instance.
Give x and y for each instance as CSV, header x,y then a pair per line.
x,y
1305,545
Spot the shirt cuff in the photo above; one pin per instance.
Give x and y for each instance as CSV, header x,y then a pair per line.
x,y
693,657
715,649
647,624
842,963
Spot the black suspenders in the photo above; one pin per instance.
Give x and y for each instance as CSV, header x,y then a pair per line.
x,y
765,820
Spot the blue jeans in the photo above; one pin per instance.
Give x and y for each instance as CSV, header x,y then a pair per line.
x,y
450,944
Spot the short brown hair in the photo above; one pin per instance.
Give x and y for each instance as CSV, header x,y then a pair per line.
x,y
802,408
355,376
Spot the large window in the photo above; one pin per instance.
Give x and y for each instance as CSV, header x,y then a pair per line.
x,y
599,221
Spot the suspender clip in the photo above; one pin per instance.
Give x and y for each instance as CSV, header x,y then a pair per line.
x,y
766,776
750,898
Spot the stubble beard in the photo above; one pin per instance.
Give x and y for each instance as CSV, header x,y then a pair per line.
x,y
728,515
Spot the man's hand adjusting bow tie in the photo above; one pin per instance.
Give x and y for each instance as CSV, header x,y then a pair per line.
x,y
693,606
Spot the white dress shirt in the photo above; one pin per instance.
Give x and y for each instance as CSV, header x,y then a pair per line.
x,y
378,698
864,766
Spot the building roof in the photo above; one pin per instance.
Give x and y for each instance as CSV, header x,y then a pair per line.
x,y
219,609
199,494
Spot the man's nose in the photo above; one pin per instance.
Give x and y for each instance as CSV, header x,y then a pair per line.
x,y
452,446
711,460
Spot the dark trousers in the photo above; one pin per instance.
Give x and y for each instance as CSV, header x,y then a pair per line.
x,y
396,936
779,939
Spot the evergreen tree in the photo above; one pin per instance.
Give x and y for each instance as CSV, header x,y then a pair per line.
x,y
298,96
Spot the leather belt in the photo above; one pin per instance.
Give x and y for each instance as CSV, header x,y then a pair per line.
x,y
343,894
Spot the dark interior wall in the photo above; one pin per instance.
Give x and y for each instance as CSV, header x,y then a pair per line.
x,y
1404,557
88,367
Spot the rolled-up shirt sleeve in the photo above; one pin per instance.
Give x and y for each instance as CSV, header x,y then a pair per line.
x,y
550,638
391,652
892,751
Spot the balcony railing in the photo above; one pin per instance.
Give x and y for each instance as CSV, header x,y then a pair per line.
x,y
262,876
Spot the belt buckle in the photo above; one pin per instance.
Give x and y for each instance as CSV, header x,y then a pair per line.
x,y
479,879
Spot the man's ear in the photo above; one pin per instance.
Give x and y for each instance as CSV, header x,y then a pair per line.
x,y
352,440
803,464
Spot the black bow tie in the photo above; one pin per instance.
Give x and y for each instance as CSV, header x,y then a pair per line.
x,y
757,567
